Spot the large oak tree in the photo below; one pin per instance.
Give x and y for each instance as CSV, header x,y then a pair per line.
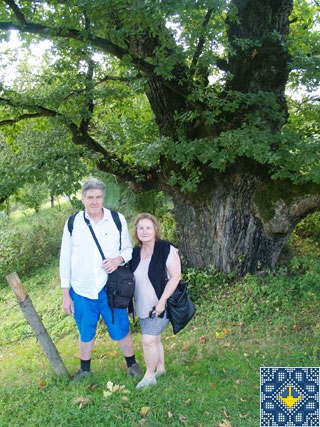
x,y
188,97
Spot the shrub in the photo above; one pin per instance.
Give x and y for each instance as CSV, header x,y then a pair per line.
x,y
31,243
227,298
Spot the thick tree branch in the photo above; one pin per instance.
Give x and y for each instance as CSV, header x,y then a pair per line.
x,y
16,10
20,118
201,43
98,42
41,112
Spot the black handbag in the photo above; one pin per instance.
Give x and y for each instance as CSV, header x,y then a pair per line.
x,y
180,308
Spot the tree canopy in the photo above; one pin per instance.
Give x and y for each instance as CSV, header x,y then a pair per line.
x,y
214,102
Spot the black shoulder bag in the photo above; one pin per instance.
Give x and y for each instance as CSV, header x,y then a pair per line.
x,y
120,284
180,308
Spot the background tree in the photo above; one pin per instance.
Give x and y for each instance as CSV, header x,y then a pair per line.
x,y
40,156
188,98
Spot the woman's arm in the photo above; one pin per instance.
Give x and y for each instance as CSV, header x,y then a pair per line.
x,y
174,274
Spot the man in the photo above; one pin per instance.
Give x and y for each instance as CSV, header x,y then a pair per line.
x,y
83,276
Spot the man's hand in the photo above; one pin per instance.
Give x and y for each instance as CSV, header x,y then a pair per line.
x,y
67,303
111,264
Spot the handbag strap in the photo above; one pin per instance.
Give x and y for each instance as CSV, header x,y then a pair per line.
x,y
94,236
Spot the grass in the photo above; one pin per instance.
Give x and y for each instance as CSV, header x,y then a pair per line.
x,y
212,366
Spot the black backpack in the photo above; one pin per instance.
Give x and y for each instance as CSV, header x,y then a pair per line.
x,y
120,284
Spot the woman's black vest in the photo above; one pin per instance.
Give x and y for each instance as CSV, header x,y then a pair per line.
x,y
157,271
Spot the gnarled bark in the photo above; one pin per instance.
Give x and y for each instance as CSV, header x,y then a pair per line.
x,y
233,225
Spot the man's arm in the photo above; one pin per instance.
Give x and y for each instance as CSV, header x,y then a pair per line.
x,y
65,271
126,247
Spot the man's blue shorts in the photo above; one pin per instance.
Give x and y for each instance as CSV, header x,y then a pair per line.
x,y
87,313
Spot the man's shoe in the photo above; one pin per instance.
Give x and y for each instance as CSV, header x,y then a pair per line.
x,y
146,383
134,371
80,375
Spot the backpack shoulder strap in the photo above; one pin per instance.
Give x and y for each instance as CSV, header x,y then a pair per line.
x,y
70,223
116,219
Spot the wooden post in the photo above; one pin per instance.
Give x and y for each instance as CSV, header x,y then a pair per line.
x,y
36,324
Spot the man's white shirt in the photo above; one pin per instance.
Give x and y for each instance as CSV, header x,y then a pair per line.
x,y
80,259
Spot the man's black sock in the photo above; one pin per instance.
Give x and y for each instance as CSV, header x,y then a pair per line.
x,y
130,361
85,365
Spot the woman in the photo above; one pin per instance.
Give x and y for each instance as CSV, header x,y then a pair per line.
x,y
157,270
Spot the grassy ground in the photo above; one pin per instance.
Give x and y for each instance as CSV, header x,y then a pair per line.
x,y
212,366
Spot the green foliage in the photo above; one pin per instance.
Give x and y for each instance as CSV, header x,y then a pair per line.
x,y
155,202
302,163
32,196
252,298
49,160
304,45
309,228
301,252
93,86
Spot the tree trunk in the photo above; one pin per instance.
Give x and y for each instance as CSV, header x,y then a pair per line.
x,y
235,226
264,65
36,324
239,220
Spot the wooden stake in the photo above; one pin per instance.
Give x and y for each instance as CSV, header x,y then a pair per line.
x,y
36,324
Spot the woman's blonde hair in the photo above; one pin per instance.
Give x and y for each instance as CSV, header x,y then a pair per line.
x,y
154,221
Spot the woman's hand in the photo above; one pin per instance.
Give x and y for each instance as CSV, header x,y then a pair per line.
x,y
160,307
